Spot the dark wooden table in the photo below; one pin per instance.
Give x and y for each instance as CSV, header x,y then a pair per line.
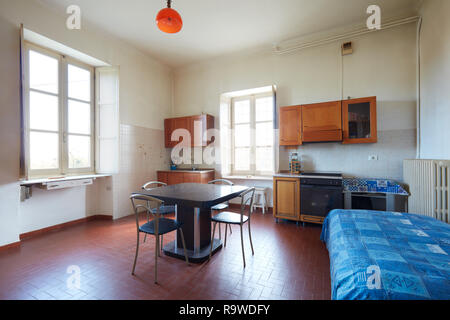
x,y
193,202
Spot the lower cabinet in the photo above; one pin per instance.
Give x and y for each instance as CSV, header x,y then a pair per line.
x,y
286,201
177,177
286,198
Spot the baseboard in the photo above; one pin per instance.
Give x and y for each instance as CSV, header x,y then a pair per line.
x,y
35,233
10,246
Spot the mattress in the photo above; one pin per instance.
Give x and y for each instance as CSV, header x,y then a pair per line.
x,y
378,255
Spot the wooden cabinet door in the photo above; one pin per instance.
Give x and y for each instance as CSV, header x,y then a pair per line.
x,y
188,123
170,125
359,120
287,198
162,177
322,116
207,177
322,122
290,126
175,178
192,177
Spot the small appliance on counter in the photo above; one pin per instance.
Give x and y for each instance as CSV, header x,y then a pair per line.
x,y
173,166
294,163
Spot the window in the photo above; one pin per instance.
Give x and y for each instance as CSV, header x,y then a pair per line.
x,y
252,135
59,111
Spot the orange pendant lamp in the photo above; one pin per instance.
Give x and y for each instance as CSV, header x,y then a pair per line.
x,y
169,20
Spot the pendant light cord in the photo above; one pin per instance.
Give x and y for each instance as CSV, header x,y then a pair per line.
x,y
169,3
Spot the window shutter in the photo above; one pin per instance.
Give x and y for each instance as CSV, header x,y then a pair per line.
x,y
107,120
276,141
23,174
225,135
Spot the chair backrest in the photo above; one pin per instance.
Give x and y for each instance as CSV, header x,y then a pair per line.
x,y
151,203
151,183
247,198
222,181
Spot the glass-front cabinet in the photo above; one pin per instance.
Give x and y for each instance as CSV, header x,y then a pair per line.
x,y
359,118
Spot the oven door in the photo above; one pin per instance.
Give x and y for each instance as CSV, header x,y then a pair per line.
x,y
320,200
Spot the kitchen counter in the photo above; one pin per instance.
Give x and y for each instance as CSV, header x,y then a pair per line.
x,y
287,175
186,176
188,171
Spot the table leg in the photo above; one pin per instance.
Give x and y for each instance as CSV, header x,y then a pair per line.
x,y
197,232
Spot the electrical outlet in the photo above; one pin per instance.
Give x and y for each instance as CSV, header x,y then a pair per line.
x,y
373,157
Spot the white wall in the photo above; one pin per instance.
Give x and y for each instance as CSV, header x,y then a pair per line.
x,y
9,133
383,64
145,100
435,78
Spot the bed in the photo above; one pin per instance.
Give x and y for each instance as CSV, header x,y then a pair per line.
x,y
380,255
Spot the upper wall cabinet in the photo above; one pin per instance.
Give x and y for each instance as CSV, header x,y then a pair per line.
x,y
290,126
322,122
359,119
197,137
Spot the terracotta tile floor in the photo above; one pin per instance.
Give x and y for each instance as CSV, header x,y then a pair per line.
x,y
290,262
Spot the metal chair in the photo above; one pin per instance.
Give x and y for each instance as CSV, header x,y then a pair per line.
x,y
157,226
222,206
164,209
240,219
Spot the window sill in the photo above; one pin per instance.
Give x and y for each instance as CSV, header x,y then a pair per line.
x,y
59,179
257,178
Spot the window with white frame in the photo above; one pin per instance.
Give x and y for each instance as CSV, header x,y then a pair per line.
x,y
252,135
59,113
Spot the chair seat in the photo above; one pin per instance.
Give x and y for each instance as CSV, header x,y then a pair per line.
x,y
220,206
164,210
229,217
165,226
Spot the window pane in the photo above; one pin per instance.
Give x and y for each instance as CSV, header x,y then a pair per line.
x,y
79,117
43,72
242,111
242,135
43,111
264,134
242,159
264,159
79,83
264,109
79,152
43,150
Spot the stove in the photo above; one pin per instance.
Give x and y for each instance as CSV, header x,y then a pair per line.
x,y
320,192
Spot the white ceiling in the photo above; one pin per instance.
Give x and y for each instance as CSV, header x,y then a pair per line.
x,y
219,27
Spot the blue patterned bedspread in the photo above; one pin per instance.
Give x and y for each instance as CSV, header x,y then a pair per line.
x,y
387,255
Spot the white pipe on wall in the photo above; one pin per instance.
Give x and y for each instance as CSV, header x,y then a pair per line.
x,y
419,28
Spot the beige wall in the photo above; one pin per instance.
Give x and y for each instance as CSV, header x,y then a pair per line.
x,y
383,64
145,100
435,79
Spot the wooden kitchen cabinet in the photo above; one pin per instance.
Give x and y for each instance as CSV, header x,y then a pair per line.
x,y
359,120
322,122
286,198
192,178
175,178
188,123
290,126
172,177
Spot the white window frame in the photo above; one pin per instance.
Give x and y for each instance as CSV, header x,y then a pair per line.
x,y
252,171
63,163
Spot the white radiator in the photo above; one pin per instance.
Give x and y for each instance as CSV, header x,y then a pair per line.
x,y
428,182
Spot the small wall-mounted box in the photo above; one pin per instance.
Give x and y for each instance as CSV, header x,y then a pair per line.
x,y
347,48
65,184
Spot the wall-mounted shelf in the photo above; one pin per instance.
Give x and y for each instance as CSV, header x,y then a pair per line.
x,y
57,183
